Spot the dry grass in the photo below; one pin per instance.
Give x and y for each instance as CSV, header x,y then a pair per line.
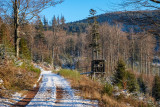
x,y
90,89
93,90
134,102
16,79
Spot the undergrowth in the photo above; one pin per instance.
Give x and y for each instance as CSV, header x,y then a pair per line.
x,y
30,67
108,88
89,89
17,78
94,90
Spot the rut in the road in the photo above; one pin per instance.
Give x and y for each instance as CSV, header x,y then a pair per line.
x,y
59,94
30,95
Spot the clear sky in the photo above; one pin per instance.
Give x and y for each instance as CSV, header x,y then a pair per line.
x,y
74,10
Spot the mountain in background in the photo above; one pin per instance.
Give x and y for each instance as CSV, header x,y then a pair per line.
x,y
135,21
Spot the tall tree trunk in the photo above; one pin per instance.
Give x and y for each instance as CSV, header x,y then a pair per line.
x,y
118,46
52,56
133,51
16,25
141,63
141,58
42,58
111,58
102,48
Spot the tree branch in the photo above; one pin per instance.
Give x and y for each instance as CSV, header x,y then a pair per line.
x,y
155,1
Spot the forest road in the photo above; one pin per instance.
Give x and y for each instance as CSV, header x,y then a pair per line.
x,y
55,91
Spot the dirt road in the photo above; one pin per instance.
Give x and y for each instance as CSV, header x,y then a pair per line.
x,y
55,91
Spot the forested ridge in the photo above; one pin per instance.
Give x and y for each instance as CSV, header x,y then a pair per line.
x,y
129,20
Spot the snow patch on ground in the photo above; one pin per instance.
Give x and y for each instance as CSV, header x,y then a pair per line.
x,y
1,81
16,97
46,95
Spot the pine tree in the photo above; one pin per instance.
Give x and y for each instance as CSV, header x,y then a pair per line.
x,y
156,88
24,50
58,21
54,24
125,79
54,29
45,23
142,85
62,22
95,45
39,25
3,39
120,75
2,33
132,85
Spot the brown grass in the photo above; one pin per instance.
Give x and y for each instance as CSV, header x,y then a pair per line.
x,y
90,89
93,90
29,96
16,79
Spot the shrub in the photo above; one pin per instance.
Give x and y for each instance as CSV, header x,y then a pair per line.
x,y
108,88
30,67
132,85
47,59
156,88
142,85
34,69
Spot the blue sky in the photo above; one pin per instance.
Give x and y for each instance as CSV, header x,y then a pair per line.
x,y
74,10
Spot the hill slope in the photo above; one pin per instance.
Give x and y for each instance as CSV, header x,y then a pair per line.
x,y
135,20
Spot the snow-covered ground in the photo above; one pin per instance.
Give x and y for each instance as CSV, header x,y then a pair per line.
x,y
5,102
46,95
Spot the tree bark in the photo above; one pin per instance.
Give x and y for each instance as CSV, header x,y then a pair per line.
x,y
16,25
52,60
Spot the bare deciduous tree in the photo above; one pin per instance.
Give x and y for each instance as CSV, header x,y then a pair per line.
x,y
24,10
144,19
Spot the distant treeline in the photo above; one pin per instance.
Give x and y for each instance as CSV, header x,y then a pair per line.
x,y
130,21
